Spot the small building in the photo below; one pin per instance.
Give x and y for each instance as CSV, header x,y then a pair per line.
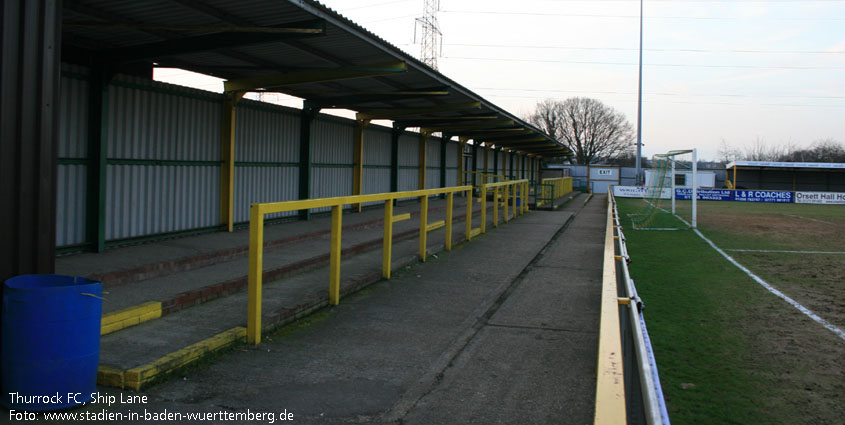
x,y
793,176
683,178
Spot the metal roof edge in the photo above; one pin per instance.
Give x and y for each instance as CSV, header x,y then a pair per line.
x,y
324,12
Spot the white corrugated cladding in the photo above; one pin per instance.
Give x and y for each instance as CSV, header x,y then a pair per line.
x,y
266,156
331,156
376,178
73,144
432,163
163,158
151,121
453,152
409,158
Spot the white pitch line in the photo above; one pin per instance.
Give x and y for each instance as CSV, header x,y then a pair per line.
x,y
807,218
785,252
839,332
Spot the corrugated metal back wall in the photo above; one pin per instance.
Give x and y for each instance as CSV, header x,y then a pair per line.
x,y
266,156
376,161
150,121
432,163
163,158
453,152
73,145
409,159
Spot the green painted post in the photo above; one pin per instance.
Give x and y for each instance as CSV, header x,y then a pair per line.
x,y
95,203
307,115
474,161
496,163
443,142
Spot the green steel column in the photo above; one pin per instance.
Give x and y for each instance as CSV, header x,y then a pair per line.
x,y
394,157
510,165
444,140
307,115
496,162
474,160
421,164
95,208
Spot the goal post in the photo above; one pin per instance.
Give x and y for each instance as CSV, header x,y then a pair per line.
x,y
657,189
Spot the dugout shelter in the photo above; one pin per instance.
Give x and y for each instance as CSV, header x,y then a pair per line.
x,y
793,176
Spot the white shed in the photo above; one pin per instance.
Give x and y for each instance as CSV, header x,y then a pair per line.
x,y
683,179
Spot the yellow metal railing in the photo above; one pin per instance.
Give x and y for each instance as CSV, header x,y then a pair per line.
x,y
553,188
610,379
510,190
485,177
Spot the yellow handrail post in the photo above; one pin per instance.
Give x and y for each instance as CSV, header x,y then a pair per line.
x,y
496,204
423,226
449,203
469,215
334,256
506,198
387,244
526,187
484,208
256,261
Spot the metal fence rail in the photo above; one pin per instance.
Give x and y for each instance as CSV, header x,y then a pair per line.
x,y
550,189
514,195
628,388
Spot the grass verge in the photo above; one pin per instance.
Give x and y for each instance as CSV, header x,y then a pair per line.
x,y
727,350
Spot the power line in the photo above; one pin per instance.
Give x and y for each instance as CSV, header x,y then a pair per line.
x,y
690,103
678,65
597,15
735,95
375,5
515,46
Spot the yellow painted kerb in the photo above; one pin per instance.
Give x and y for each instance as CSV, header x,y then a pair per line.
x,y
136,378
129,316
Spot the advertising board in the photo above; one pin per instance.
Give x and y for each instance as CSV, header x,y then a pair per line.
x,y
829,198
774,196
637,192
705,194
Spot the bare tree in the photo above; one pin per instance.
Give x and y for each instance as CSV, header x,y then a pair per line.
x,y
825,150
761,151
591,129
727,154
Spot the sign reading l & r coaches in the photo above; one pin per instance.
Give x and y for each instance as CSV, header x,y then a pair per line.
x,y
774,196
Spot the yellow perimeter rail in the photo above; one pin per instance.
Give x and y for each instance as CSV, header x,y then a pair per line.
x,y
559,186
486,177
610,382
258,211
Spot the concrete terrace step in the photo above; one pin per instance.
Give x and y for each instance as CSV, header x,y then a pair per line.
x,y
121,265
130,304
139,355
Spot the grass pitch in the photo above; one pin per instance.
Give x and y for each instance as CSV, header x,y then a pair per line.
x,y
728,351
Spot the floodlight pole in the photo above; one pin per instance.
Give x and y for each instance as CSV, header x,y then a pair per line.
x,y
640,104
694,186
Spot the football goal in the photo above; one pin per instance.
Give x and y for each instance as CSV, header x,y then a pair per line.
x,y
671,192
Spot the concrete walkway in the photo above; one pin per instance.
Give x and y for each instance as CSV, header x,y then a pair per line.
x,y
500,330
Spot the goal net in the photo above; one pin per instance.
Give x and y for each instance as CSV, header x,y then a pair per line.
x,y
670,192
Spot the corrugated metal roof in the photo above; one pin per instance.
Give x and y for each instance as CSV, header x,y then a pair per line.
x,y
232,40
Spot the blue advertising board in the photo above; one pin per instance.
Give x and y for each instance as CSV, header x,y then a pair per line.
x,y
775,196
704,194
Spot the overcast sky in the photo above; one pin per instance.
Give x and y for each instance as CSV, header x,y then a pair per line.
x,y
733,70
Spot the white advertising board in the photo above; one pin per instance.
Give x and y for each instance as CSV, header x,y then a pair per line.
x,y
638,192
830,198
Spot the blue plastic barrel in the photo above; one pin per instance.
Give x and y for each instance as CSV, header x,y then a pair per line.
x,y
51,341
